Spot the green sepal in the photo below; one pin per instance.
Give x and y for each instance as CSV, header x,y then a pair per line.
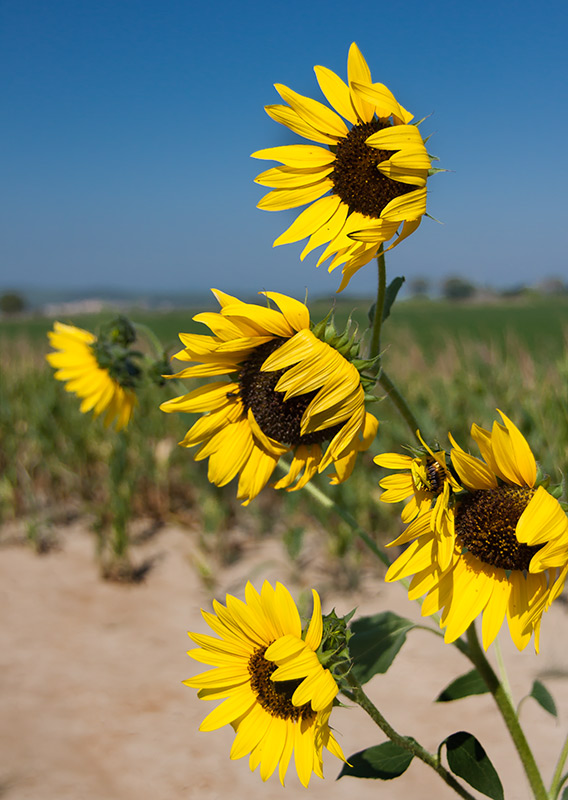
x,y
319,328
159,369
468,760
382,762
435,170
118,331
333,652
345,342
464,686
376,642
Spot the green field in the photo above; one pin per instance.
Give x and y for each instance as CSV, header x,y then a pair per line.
x,y
455,363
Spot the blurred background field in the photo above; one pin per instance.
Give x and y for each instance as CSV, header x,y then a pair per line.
x,y
455,362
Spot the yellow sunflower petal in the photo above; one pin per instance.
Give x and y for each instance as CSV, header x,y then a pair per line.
x,y
310,220
315,629
358,71
314,113
336,93
282,199
291,119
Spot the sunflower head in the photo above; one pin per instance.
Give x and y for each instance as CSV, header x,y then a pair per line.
x,y
102,370
510,541
276,694
286,391
364,180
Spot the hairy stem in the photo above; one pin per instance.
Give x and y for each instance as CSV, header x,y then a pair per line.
x,y
479,660
375,343
400,404
358,696
558,779
330,504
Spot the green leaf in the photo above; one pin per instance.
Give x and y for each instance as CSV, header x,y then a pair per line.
x,y
468,760
384,762
390,296
465,685
543,697
375,642
564,795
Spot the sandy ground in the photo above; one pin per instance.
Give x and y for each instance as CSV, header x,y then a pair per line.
x,y
92,704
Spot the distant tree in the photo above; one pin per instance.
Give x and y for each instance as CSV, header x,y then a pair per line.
x,y
552,285
419,286
456,288
11,303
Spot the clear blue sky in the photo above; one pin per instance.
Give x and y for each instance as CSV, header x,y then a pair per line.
x,y
128,125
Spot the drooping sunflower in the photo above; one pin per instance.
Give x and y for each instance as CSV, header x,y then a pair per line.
x,y
365,185
276,694
287,391
77,365
426,480
511,540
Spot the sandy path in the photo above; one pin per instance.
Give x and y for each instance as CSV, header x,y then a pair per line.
x,y
92,704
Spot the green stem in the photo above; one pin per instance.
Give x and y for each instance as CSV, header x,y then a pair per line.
x,y
503,671
411,745
558,779
375,344
330,504
375,350
505,706
151,337
400,404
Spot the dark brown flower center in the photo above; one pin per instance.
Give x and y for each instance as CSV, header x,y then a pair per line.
x,y
485,524
275,696
355,176
278,418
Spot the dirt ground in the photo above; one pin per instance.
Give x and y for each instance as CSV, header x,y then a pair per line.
x,y
92,704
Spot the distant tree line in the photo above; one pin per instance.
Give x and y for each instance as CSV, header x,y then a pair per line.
x,y
456,288
12,303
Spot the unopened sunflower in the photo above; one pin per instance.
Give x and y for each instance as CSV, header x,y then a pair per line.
x,y
77,362
276,694
365,185
510,543
286,391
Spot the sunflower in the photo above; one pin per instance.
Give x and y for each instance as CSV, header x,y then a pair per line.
x,y
287,391
276,694
366,184
76,364
511,539
426,480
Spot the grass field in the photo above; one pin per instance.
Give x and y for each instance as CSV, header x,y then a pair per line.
x,y
455,364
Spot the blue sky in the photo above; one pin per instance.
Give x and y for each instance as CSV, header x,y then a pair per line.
x,y
128,128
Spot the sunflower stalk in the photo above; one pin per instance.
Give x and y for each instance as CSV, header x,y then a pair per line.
x,y
357,695
383,379
558,780
479,660
330,504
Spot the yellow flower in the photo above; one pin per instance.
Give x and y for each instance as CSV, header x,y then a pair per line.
x,y
77,365
510,541
365,183
426,480
287,391
276,694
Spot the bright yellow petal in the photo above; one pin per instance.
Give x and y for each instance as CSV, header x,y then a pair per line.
x,y
310,220
336,93
297,155
314,113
